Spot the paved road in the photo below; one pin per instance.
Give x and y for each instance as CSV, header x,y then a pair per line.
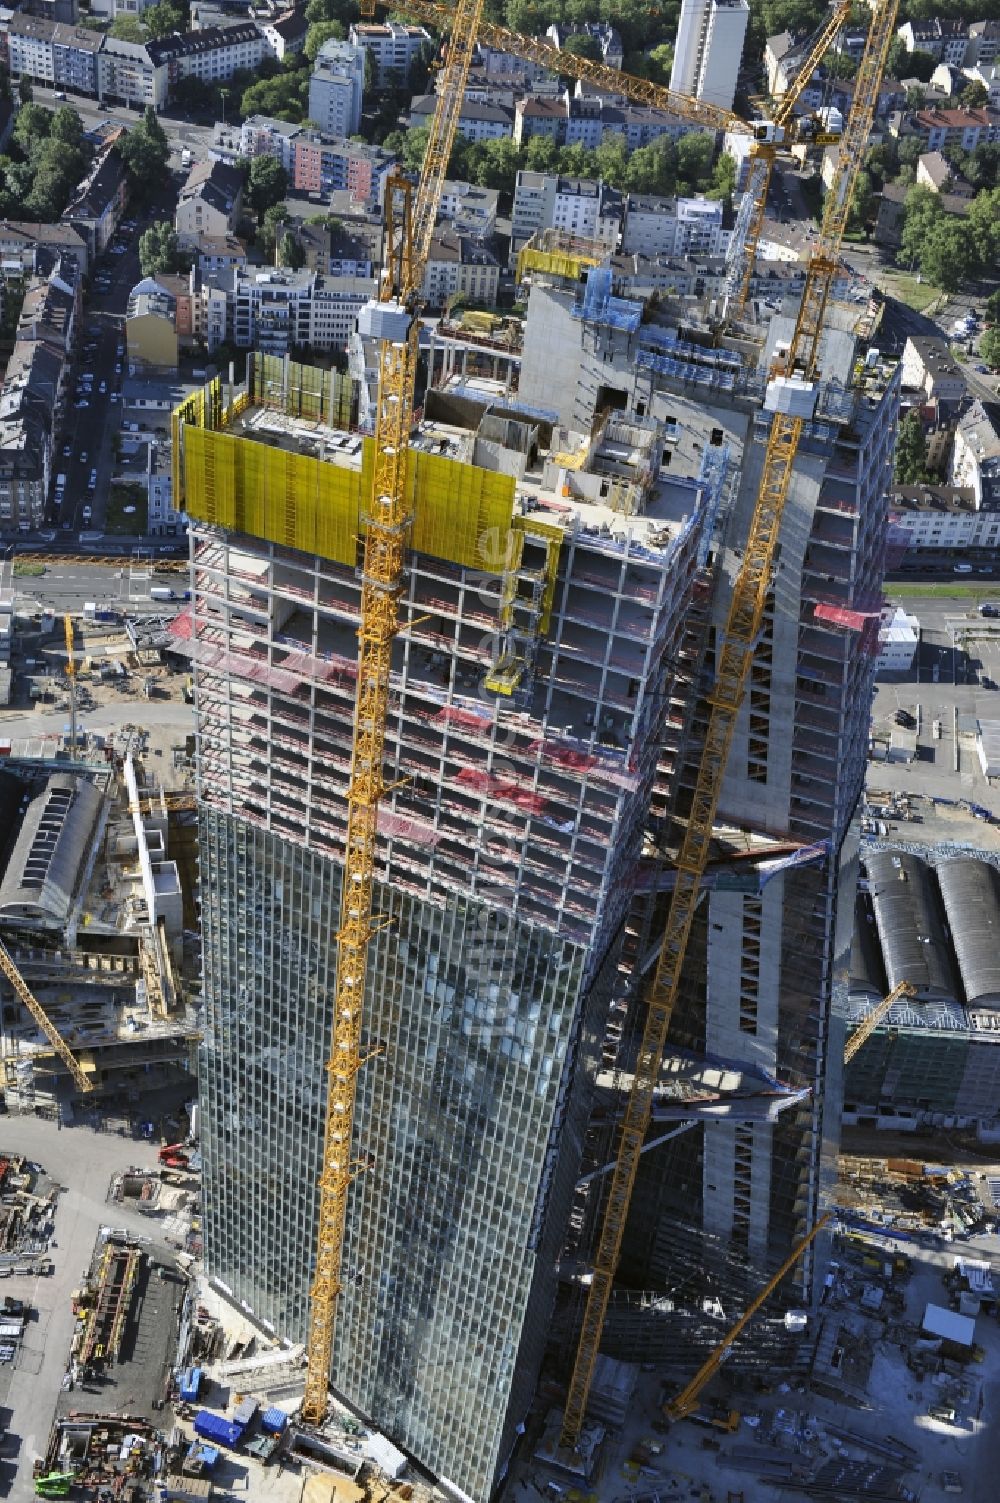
x,y
20,724
66,586
84,1161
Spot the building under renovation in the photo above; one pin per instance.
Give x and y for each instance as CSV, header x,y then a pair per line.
x,y
91,915
935,1060
578,512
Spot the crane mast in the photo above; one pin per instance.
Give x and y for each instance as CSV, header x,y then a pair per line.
x,y
744,621
386,537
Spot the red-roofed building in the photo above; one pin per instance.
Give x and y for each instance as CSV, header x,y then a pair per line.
x,y
965,128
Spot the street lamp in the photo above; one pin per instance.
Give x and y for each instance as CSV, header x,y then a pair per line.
x,y
224,95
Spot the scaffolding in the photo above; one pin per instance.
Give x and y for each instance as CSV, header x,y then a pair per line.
x,y
117,1272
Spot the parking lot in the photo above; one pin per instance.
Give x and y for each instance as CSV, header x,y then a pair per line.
x,y
951,687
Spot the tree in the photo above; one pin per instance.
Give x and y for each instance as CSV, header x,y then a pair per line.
x,y
193,96
922,65
25,92
723,177
541,154
320,32
498,167
158,250
989,348
268,184
840,65
274,220
290,252
974,95
921,211
993,307
146,152
947,257
911,451
128,29
694,158
914,97
31,127
66,126
284,97
653,169
582,44
898,59
862,202
163,19
984,228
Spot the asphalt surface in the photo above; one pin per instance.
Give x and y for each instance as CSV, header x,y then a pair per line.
x,y
67,585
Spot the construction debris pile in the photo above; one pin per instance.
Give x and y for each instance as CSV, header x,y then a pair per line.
x,y
27,1215
107,1457
909,1196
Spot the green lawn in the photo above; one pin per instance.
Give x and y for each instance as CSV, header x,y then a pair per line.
x,y
981,590
917,295
28,567
120,522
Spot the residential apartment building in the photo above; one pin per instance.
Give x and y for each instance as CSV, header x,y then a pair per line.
x,y
210,202
74,59
211,54
477,122
965,128
131,73
585,119
710,35
603,33
98,203
29,47
284,35
580,206
469,209
329,164
460,265
276,310
948,41
339,250
34,394
975,457
336,88
151,341
675,226
393,47
942,518
26,247
929,368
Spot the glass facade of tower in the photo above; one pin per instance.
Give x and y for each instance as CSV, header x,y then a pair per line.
x,y
471,1022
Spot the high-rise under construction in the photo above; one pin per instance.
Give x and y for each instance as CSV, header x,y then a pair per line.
x,y
577,513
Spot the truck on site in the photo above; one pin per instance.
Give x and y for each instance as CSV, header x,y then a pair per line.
x,y
186,157
54,1485
161,592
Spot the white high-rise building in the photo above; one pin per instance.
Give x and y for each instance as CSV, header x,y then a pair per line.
x,y
336,87
710,37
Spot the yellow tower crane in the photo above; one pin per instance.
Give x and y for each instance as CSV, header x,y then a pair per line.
x,y
686,1401
81,1080
746,613
781,130
386,537
868,1025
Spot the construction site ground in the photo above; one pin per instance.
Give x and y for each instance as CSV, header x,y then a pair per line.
x,y
84,1161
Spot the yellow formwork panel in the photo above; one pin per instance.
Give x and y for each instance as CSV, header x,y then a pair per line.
x,y
556,263
552,535
460,512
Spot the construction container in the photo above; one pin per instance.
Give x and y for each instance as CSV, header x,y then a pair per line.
x,y
190,1384
274,1421
245,1412
211,1426
184,1490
